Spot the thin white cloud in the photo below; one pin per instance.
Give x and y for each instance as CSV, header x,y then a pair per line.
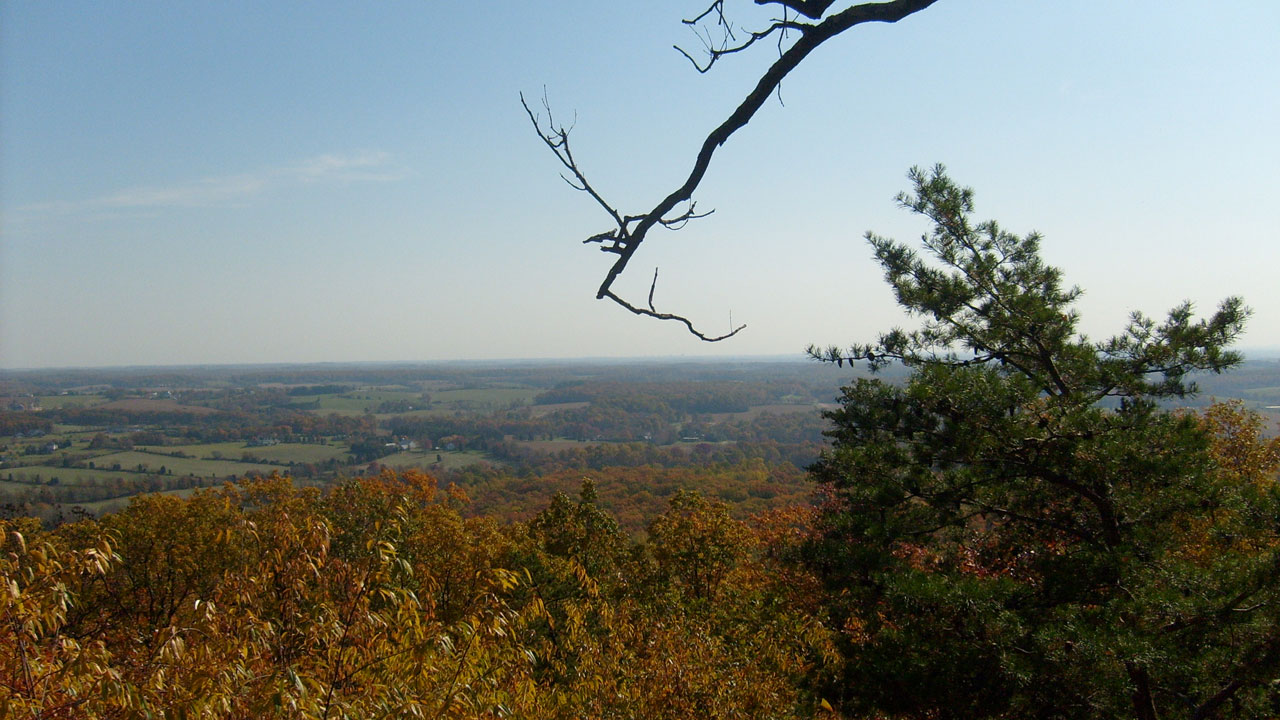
x,y
233,189
197,193
364,167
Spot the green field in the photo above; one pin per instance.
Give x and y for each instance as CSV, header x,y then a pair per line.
x,y
83,432
282,453
67,476
299,453
200,467
210,451
427,460
53,402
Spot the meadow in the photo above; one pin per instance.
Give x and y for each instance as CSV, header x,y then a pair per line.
x,y
280,453
426,459
53,402
136,462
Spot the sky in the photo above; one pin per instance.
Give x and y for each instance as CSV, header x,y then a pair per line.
x,y
261,182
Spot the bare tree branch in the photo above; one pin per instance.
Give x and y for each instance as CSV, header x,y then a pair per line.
x,y
714,53
678,207
671,316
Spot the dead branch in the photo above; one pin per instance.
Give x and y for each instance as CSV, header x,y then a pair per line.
x,y
671,316
678,208
714,52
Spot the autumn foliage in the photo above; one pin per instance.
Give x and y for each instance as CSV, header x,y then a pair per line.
x,y
379,599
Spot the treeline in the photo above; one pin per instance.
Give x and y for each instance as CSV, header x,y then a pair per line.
x,y
604,422
99,416
608,421
795,428
52,501
15,423
305,390
596,456
184,427
672,398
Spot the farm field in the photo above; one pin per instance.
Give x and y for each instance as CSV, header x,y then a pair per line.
x,y
286,453
211,451
449,460
200,467
283,453
52,402
6,486
55,458
360,402
80,431
67,475
155,405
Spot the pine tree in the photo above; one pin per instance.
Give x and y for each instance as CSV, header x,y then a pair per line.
x,y
1020,529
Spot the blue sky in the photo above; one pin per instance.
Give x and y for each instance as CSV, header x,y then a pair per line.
x,y
288,182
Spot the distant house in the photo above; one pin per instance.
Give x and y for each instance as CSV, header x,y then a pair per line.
x,y
19,403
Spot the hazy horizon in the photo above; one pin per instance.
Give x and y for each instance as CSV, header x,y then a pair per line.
x,y
1250,355
250,183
